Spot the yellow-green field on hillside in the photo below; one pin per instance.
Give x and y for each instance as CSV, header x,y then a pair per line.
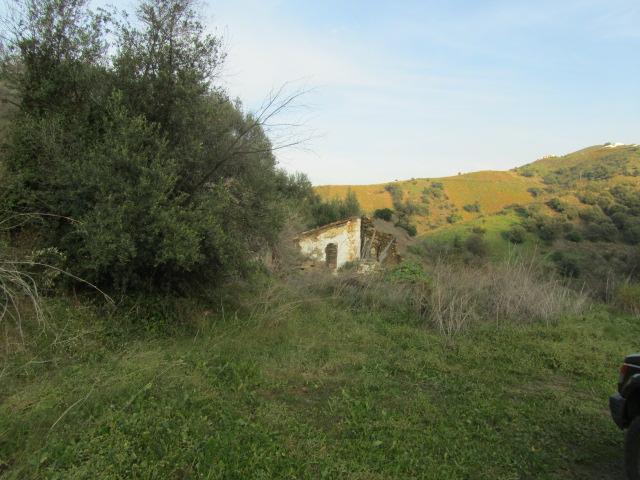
x,y
489,192
492,190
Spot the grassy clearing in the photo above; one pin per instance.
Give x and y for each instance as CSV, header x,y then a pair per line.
x,y
312,389
494,227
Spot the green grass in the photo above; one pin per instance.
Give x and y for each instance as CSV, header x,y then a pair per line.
x,y
494,227
318,392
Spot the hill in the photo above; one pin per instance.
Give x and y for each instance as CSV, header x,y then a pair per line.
x,y
444,201
440,198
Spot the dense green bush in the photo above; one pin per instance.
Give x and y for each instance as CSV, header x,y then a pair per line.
x,y
604,231
324,212
573,235
477,245
472,208
145,173
568,264
410,228
454,218
516,234
408,272
557,205
383,214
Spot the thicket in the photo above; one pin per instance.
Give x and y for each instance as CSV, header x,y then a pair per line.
x,y
143,172
405,209
383,214
323,212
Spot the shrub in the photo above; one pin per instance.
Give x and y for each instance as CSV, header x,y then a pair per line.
x,y
407,272
436,190
548,229
396,193
410,208
588,198
454,218
592,214
574,235
604,231
477,245
410,228
631,233
472,207
516,234
535,191
567,264
383,214
556,204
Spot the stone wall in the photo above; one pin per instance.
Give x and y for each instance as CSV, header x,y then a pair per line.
x,y
341,240
376,245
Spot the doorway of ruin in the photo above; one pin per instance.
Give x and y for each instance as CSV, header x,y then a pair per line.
x,y
331,255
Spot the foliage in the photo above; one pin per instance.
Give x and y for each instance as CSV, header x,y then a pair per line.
x,y
454,218
407,271
477,245
567,264
324,212
535,191
166,181
573,235
472,207
516,234
396,193
557,205
410,228
383,214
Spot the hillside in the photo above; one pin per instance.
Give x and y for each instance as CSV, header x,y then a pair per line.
x,y
468,197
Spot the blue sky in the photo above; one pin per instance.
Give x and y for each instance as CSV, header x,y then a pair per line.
x,y
430,88
405,89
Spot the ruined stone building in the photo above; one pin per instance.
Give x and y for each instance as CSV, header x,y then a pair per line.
x,y
350,240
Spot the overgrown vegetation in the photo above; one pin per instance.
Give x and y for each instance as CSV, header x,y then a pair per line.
x,y
383,214
130,169
145,175
323,212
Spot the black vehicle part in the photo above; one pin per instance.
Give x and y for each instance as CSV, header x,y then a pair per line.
x,y
632,450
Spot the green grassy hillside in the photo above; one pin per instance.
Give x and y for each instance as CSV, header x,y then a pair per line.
x,y
597,162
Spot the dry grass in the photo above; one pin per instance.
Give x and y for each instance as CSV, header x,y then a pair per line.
x,y
450,298
18,294
517,290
